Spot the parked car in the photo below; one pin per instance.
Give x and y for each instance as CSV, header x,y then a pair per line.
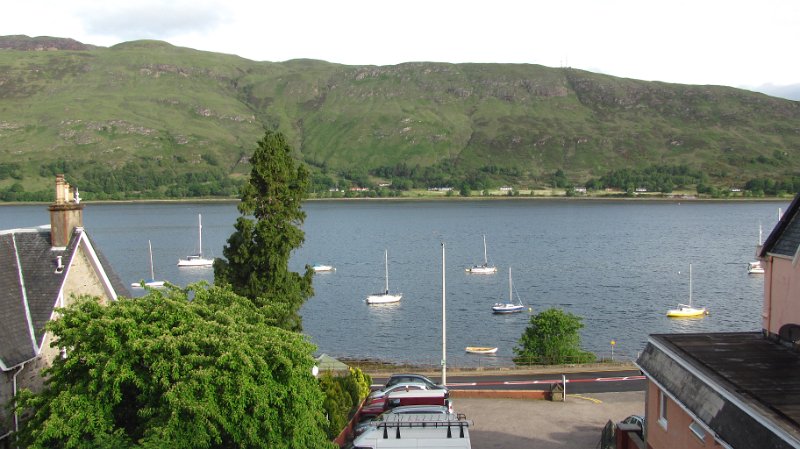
x,y
637,420
402,386
378,405
409,377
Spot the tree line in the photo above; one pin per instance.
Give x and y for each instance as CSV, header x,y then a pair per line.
x,y
168,179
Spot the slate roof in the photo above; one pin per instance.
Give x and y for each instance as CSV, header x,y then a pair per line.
x,y
785,236
30,287
742,385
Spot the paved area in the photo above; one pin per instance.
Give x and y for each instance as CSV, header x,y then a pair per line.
x,y
576,423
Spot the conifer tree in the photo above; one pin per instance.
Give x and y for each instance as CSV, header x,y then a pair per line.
x,y
256,263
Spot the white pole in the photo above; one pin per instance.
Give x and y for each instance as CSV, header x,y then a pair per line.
x,y
444,324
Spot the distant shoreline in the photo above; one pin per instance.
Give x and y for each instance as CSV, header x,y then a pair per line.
x,y
642,198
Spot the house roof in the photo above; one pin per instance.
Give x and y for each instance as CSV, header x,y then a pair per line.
x,y
742,385
32,284
328,363
785,236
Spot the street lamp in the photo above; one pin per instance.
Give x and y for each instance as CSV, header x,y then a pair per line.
x,y
444,325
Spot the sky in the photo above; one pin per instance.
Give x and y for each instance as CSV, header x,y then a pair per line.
x,y
734,43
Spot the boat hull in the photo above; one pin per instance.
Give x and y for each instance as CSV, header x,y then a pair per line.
x,y
195,262
481,270
755,268
507,308
323,268
480,350
686,312
383,299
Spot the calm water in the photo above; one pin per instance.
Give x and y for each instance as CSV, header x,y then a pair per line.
x,y
619,265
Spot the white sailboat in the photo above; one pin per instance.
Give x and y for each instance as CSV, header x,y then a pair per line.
x,y
152,282
510,306
384,297
756,267
687,310
197,260
485,268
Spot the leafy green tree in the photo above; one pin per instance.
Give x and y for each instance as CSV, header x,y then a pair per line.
x,y
258,252
164,371
552,337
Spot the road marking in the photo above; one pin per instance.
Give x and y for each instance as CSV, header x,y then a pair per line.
x,y
596,401
546,381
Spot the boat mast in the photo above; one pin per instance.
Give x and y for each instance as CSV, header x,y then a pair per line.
x,y
485,259
690,285
152,275
200,235
510,287
386,267
759,234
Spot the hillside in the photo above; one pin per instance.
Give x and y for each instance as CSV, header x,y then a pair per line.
x,y
141,112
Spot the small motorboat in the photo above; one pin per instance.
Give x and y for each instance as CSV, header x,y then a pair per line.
x,y
322,268
481,350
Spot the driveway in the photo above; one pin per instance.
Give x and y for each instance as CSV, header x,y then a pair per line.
x,y
576,423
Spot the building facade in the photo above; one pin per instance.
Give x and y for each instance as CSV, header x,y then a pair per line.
x,y
42,269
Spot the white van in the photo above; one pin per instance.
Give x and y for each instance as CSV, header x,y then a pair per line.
x,y
412,431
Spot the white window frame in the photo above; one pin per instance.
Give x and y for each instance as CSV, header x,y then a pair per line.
x,y
698,430
662,409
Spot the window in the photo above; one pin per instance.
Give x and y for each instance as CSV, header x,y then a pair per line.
x,y
698,430
662,409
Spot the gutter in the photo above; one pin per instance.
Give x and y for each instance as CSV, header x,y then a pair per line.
x,y
14,388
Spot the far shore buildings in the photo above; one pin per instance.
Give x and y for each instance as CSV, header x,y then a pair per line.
x,y
41,269
735,389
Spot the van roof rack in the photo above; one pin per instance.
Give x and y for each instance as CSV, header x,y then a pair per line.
x,y
460,424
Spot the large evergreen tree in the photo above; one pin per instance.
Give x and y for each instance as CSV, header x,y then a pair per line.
x,y
162,371
268,230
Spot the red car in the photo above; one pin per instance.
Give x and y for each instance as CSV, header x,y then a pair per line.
x,y
378,405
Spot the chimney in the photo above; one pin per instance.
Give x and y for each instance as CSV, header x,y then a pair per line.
x,y
66,213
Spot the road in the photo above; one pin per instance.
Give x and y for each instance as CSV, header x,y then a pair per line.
x,y
577,383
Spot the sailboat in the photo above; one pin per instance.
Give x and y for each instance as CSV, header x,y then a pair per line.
x,y
384,297
152,282
485,268
687,310
197,260
756,267
510,306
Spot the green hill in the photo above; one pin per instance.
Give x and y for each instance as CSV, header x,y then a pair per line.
x,y
139,116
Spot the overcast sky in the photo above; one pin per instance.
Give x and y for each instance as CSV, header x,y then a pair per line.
x,y
735,43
